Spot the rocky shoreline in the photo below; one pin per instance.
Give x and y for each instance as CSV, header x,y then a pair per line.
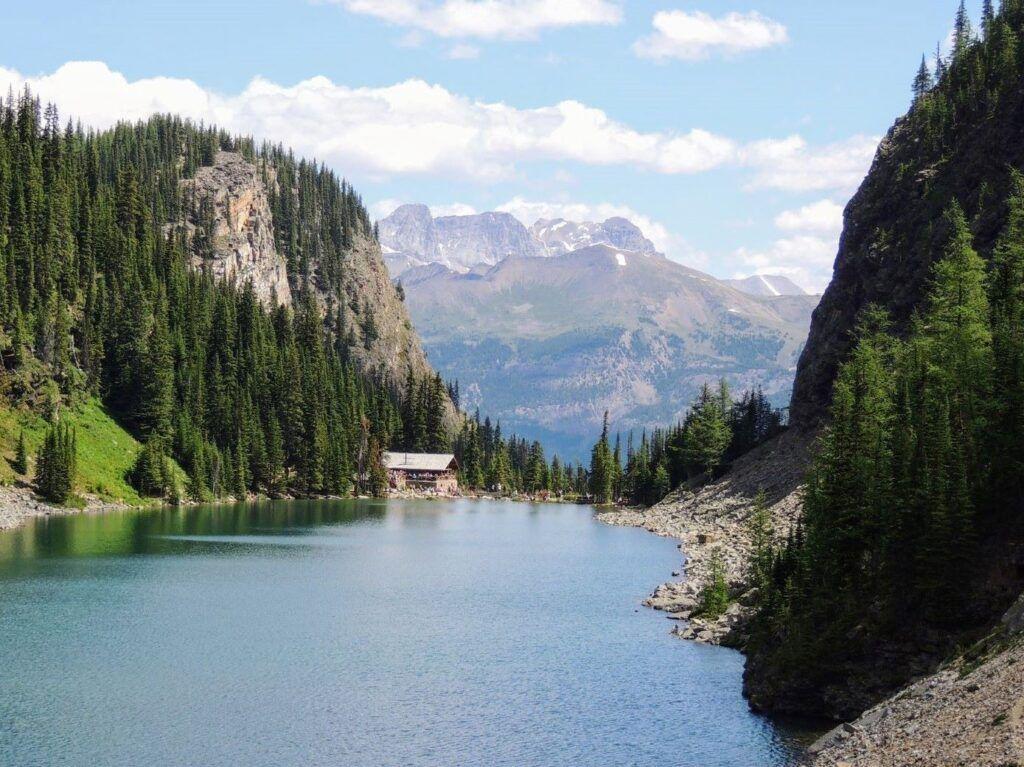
x,y
712,520
18,504
968,713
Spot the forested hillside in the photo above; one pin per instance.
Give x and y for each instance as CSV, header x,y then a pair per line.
x,y
122,280
912,535
959,141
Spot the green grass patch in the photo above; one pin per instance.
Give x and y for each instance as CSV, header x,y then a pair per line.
x,y
105,450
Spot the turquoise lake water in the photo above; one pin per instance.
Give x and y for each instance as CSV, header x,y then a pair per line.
x,y
357,634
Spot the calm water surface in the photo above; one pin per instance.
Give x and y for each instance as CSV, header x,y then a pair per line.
x,y
352,634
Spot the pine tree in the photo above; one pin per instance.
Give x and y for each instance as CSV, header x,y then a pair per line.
x,y
988,16
762,556
707,435
714,596
602,474
923,80
20,464
1006,298
963,33
56,465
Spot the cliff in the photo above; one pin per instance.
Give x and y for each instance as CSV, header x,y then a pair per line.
x,y
230,225
947,148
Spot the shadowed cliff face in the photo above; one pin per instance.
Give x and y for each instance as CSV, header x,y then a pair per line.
x,y
894,230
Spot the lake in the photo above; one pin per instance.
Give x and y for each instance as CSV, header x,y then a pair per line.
x,y
357,634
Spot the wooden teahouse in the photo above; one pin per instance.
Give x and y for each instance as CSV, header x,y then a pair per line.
x,y
430,472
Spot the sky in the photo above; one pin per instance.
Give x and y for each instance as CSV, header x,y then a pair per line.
x,y
733,132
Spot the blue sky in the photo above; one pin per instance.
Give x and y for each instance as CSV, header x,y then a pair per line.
x,y
733,131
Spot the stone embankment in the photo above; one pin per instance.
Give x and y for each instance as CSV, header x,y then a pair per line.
x,y
714,520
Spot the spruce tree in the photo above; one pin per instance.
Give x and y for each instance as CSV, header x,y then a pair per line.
x,y
923,80
56,465
20,464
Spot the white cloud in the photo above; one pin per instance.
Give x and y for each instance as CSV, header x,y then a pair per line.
x,y
806,259
463,52
695,35
414,127
384,208
791,165
823,216
487,19
808,250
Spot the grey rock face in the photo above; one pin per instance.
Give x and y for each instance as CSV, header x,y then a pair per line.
x,y
560,236
231,199
411,237
486,238
231,195
410,231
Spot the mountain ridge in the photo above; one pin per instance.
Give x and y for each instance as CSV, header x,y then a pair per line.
x,y
547,344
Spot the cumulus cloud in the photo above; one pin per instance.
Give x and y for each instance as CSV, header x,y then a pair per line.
x,y
487,19
806,259
791,165
695,35
807,251
414,127
824,216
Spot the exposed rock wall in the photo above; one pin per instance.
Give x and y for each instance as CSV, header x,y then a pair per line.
x,y
230,199
231,196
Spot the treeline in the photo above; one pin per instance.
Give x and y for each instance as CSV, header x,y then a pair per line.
x,y
716,430
490,462
922,460
97,298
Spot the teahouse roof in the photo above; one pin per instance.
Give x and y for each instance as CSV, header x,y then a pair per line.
x,y
420,461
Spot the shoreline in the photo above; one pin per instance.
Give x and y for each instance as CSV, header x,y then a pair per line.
x,y
712,520
19,504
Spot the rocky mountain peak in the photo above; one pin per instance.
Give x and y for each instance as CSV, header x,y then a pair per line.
x,y
560,236
410,230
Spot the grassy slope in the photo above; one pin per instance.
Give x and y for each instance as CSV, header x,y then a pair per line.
x,y
105,450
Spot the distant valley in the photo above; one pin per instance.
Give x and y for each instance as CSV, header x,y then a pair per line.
x,y
546,327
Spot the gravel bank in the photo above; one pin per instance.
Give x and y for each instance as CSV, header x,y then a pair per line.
x,y
714,519
18,504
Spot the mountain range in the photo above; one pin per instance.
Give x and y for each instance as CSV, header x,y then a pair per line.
x,y
547,327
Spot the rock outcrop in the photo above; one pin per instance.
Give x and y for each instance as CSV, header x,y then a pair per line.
x,y
231,229
230,200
